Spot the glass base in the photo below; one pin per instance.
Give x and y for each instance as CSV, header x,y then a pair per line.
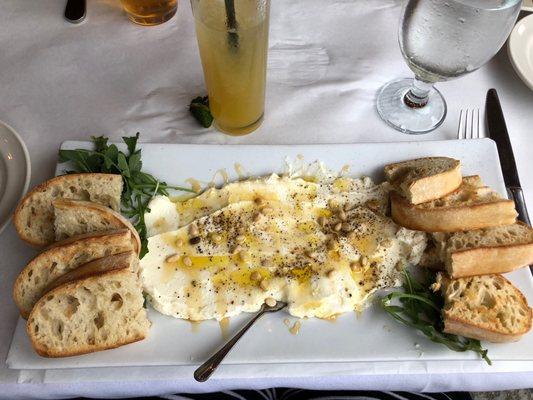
x,y
239,131
153,19
414,121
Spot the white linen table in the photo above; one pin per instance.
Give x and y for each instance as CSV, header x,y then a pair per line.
x,y
110,77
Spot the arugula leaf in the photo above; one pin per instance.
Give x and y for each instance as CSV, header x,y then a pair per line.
x,y
199,108
100,143
420,308
131,142
123,165
134,162
139,186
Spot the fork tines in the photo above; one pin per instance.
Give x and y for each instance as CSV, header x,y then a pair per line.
x,y
468,127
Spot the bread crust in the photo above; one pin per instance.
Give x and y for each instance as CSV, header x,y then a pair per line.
x,y
71,287
489,260
434,186
463,328
64,246
453,218
91,236
96,267
43,187
103,210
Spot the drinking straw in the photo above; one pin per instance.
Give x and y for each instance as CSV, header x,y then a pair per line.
x,y
231,20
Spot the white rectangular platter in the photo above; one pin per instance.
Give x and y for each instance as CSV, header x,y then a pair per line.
x,y
370,337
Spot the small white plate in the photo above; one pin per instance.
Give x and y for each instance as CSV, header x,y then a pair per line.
x,y
521,50
15,172
527,5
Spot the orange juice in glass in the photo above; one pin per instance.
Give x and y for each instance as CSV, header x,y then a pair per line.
x,y
233,42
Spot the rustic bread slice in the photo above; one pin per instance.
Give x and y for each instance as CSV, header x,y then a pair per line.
x,y
471,206
63,257
34,215
486,251
485,307
101,308
424,179
75,217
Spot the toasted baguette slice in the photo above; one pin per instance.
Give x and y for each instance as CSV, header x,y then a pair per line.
x,y
34,215
101,308
485,307
75,217
61,258
486,251
424,179
471,206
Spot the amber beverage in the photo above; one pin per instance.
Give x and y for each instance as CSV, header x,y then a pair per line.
x,y
233,42
150,12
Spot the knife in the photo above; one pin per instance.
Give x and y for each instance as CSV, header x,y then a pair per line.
x,y
498,133
75,11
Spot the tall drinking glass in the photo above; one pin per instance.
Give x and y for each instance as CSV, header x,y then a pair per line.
x,y
233,42
442,40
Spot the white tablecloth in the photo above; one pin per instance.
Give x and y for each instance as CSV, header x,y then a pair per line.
x,y
110,77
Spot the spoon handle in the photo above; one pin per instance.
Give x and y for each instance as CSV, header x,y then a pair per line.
x,y
75,11
205,370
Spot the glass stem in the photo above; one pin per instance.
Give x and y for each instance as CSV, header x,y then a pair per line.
x,y
418,95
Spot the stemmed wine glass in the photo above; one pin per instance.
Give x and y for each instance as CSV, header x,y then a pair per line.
x,y
441,40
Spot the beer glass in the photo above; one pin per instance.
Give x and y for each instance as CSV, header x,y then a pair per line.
x,y
150,12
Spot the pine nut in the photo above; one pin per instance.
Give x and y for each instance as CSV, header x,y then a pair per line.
x,y
187,261
243,255
263,285
311,254
342,215
271,302
193,230
173,258
255,276
355,266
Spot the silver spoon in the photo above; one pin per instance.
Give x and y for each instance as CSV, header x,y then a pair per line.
x,y
205,370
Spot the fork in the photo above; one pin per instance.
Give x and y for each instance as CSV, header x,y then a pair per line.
x,y
468,127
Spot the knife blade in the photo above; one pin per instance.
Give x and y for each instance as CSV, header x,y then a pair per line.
x,y
497,129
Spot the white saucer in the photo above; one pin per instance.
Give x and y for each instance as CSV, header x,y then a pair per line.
x,y
527,5
521,49
15,172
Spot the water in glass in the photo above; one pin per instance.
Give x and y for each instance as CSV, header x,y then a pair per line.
x,y
441,40
446,39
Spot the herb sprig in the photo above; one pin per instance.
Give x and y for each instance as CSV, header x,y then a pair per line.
x,y
420,308
199,109
139,186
